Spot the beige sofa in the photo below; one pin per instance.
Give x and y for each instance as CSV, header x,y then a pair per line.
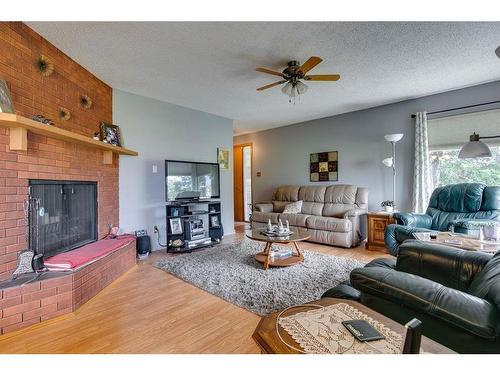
x,y
332,214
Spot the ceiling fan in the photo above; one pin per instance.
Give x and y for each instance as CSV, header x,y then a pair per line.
x,y
293,74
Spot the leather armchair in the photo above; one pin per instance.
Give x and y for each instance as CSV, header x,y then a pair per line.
x,y
454,292
449,205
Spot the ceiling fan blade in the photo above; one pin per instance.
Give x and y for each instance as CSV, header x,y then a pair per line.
x,y
269,71
309,64
271,85
322,77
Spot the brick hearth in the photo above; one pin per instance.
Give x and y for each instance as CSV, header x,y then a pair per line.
x,y
59,293
48,158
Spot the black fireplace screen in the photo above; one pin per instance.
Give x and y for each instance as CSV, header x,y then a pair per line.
x,y
62,215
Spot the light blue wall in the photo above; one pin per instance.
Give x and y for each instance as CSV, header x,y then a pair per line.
x,y
282,154
159,131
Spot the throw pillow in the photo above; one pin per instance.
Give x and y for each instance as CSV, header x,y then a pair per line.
x,y
293,208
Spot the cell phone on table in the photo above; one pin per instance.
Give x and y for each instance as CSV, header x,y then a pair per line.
x,y
362,330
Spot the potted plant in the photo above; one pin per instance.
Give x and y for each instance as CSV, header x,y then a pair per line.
x,y
388,206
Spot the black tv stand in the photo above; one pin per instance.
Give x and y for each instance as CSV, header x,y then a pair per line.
x,y
208,211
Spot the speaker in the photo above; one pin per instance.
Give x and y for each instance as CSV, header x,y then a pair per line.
x,y
216,233
143,245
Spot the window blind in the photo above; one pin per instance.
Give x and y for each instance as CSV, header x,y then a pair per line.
x,y
452,132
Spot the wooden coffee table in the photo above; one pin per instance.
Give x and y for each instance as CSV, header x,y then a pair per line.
x,y
268,341
265,256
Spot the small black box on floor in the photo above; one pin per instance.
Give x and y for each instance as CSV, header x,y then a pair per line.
x,y
216,233
143,243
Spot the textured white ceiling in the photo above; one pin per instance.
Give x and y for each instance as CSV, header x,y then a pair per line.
x,y
210,66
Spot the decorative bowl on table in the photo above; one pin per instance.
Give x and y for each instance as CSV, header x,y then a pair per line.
x,y
275,232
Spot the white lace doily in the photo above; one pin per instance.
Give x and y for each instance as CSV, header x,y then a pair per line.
x,y
320,331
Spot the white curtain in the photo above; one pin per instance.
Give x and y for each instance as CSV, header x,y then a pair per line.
x,y
422,173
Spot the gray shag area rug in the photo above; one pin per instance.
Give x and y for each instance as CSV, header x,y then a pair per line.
x,y
232,273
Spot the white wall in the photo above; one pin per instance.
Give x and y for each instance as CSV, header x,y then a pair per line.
x,y
159,131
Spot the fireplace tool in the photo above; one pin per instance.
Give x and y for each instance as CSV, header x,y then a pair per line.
x,y
30,260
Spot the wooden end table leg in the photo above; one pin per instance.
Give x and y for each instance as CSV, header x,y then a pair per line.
x,y
267,252
297,249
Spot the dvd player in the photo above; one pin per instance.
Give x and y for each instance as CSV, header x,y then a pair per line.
x,y
198,242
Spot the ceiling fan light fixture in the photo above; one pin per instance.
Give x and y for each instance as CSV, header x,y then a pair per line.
x,y
301,87
292,76
288,89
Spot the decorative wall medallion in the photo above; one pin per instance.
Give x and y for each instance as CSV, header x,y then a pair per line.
x,y
45,65
85,101
324,166
64,114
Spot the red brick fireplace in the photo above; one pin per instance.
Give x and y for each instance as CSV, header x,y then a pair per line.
x,y
46,158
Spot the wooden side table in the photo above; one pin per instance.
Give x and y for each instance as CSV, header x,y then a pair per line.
x,y
269,343
377,222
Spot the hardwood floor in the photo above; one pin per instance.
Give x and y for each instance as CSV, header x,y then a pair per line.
x,y
150,311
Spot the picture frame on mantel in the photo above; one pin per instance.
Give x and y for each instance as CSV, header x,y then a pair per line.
x,y
223,158
6,105
111,134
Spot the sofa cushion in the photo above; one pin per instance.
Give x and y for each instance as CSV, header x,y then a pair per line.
x,y
279,206
486,284
343,239
296,220
341,194
441,219
293,208
330,224
362,198
287,193
312,208
312,194
263,217
458,197
389,263
339,199
491,198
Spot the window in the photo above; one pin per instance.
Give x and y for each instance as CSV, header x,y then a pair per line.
x,y
447,168
446,137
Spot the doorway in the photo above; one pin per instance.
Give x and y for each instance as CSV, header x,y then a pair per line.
x,y
242,156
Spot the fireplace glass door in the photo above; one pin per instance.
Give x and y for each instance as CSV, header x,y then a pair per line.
x,y
62,215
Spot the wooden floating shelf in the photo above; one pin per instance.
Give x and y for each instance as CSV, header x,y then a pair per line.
x,y
19,127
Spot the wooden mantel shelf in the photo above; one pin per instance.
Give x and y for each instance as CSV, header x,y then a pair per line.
x,y
19,127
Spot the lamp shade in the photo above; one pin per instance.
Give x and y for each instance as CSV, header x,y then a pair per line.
x,y
393,137
474,149
387,162
287,89
301,87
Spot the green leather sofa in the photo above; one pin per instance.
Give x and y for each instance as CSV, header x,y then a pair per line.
x,y
454,292
448,205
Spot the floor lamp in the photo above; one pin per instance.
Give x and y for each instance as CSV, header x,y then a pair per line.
x,y
391,162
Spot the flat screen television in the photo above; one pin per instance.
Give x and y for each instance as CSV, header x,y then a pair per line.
x,y
185,180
